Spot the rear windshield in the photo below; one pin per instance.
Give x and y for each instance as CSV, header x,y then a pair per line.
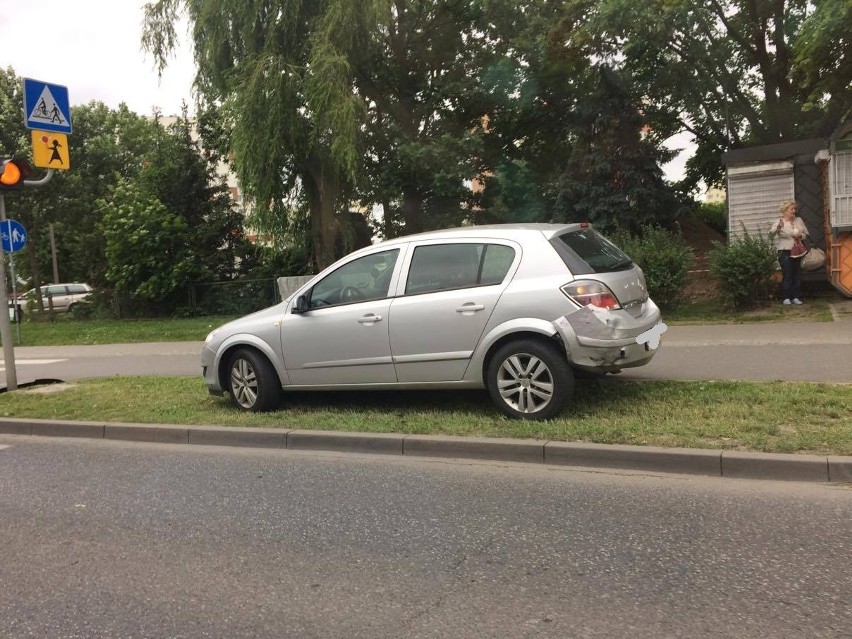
x,y
587,251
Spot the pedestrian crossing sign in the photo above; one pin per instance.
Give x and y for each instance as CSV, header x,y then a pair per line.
x,y
46,107
50,150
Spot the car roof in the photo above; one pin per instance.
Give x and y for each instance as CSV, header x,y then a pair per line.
x,y
515,231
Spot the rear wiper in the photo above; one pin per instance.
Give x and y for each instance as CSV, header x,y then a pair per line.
x,y
622,264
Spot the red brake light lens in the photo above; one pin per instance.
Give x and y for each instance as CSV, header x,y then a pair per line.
x,y
591,293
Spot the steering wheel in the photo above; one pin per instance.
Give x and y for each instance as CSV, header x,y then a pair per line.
x,y
351,294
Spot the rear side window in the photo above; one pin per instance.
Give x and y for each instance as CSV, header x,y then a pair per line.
x,y
441,267
76,289
496,263
587,251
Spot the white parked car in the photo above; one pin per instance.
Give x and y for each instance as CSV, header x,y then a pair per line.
x,y
60,297
512,308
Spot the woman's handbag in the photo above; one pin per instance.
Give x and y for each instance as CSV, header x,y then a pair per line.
x,y
799,249
813,260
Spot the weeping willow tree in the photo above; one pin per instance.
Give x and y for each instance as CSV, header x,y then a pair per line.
x,y
268,73
377,100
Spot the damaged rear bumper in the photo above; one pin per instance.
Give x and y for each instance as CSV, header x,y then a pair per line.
x,y
609,340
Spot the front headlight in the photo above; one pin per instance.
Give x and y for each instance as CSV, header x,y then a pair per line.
x,y
210,336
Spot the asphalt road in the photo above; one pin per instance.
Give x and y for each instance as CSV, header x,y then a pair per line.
x,y
817,352
108,539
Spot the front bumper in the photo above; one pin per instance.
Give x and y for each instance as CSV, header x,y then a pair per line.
x,y
210,371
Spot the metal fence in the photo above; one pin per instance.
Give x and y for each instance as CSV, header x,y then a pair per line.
x,y
231,297
239,297
235,297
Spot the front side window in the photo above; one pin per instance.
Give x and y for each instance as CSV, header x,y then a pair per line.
x,y
367,278
440,267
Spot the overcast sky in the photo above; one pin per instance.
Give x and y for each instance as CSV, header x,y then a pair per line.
x,y
93,47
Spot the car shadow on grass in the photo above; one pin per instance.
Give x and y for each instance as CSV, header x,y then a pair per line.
x,y
589,396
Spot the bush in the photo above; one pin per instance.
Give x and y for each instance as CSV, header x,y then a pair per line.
x,y
744,269
664,257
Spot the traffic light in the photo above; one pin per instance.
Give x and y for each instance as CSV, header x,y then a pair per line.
x,y
13,172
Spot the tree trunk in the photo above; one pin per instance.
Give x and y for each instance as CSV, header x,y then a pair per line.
x,y
322,186
411,205
389,231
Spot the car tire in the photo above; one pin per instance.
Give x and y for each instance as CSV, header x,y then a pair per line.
x,y
529,379
253,383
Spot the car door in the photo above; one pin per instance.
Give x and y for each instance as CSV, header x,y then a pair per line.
x,y
77,293
342,337
450,291
57,296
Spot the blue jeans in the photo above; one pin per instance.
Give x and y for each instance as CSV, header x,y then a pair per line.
x,y
791,275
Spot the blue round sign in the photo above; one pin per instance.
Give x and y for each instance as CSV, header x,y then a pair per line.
x,y
14,236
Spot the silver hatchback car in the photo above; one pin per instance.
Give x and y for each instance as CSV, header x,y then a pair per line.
x,y
514,308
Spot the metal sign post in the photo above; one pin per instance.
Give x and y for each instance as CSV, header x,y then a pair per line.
x,y
5,327
14,239
47,109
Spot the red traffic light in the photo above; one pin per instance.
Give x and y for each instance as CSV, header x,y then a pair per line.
x,y
13,172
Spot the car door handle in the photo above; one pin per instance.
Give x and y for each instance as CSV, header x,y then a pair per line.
x,y
370,319
470,308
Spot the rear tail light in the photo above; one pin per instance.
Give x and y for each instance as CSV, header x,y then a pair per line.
x,y
591,293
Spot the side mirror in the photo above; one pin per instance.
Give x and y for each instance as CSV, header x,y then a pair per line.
x,y
301,304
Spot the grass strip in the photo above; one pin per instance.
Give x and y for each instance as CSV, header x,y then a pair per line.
x,y
66,331
755,416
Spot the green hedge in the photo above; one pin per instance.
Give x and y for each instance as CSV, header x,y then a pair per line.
x,y
744,268
664,257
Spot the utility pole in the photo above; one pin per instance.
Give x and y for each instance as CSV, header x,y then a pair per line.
x,y
53,253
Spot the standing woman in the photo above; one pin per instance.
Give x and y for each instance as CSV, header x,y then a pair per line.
x,y
786,230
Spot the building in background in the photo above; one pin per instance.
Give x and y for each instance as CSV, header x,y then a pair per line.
x,y
817,175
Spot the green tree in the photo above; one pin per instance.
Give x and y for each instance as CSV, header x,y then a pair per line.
x,y
255,66
181,176
417,72
730,72
148,250
106,145
171,224
570,138
13,138
612,176
374,101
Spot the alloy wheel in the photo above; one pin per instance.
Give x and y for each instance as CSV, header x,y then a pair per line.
x,y
244,384
525,383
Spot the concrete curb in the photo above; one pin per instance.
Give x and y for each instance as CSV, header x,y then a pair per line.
x,y
687,461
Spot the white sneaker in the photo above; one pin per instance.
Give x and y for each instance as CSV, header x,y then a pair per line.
x,y
787,302
796,300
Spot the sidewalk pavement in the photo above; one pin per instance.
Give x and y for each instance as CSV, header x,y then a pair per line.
x,y
703,462
761,334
